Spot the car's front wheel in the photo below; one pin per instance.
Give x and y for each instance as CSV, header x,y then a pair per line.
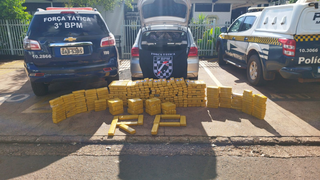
x,y
254,71
40,89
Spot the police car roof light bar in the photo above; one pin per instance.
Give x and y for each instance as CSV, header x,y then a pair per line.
x,y
64,8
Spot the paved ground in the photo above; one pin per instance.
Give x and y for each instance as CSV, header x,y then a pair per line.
x,y
292,113
158,161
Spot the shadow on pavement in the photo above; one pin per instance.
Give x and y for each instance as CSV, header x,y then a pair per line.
x,y
167,167
300,99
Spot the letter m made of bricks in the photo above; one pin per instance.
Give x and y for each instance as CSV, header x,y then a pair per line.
x,y
316,15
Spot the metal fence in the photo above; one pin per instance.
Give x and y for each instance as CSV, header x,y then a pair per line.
x,y
12,33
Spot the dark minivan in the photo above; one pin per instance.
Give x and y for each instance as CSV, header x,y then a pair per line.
x,y
69,44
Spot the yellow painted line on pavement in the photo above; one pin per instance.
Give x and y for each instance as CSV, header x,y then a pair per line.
x,y
215,80
41,104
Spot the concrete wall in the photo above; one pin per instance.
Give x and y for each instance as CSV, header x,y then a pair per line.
x,y
114,19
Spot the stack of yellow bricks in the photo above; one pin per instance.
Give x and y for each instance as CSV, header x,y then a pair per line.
x,y
70,105
103,93
135,106
58,110
118,89
156,89
142,89
259,106
247,102
171,85
115,106
181,92
80,100
153,106
91,97
236,102
225,96
196,93
100,105
168,108
132,92
213,96
145,89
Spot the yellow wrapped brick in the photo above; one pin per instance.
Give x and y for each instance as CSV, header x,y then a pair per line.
x,y
103,93
152,101
100,105
56,102
119,85
135,102
116,112
226,89
115,102
127,128
168,106
135,112
213,92
153,112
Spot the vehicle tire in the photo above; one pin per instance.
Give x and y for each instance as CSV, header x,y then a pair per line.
x,y
39,89
115,78
194,78
254,71
221,62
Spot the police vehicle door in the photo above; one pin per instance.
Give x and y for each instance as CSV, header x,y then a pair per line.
x,y
242,39
232,37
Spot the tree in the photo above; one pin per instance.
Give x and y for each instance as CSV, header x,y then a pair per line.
x,y
292,1
13,9
106,4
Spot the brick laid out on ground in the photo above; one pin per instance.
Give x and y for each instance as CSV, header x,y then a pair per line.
x,y
80,100
225,96
115,106
196,93
168,108
58,110
236,102
153,106
213,93
259,106
135,106
247,102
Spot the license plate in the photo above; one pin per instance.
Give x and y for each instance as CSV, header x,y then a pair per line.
x,y
71,50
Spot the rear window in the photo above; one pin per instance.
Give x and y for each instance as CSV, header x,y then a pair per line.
x,y
56,25
164,37
164,8
163,41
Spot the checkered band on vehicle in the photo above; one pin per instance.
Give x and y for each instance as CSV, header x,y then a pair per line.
x,y
267,40
307,38
262,40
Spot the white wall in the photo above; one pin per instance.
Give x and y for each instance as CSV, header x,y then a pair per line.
x,y
114,19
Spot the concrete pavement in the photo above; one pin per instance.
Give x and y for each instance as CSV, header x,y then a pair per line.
x,y
25,118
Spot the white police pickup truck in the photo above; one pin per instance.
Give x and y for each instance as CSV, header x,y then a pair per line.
x,y
284,39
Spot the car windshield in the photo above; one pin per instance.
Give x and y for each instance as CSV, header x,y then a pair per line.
x,y
56,25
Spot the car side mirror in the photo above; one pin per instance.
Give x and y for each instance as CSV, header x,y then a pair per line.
x,y
223,30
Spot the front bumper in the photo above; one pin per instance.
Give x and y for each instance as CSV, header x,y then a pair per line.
x,y
304,72
61,74
193,67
